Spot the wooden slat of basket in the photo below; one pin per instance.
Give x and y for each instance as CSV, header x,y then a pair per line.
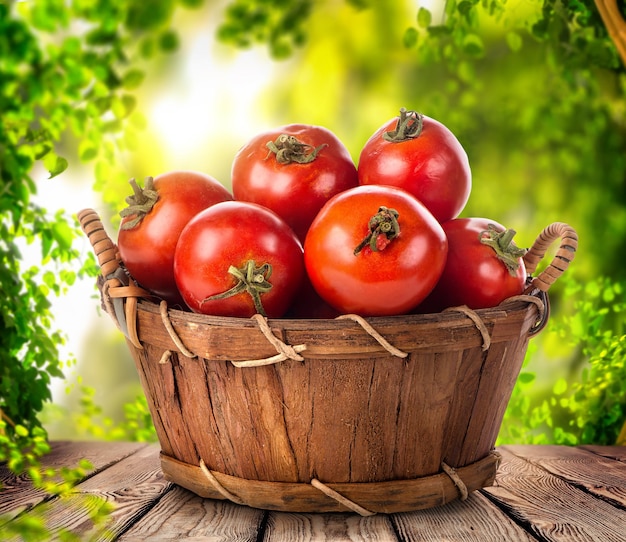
x,y
468,379
383,497
162,397
497,379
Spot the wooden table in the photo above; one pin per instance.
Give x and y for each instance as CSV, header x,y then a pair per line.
x,y
541,493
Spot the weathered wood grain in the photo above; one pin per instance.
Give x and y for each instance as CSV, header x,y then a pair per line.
x,y
132,485
283,526
542,493
551,508
181,515
473,520
600,476
18,493
612,452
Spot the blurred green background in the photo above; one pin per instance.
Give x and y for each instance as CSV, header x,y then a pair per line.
x,y
534,90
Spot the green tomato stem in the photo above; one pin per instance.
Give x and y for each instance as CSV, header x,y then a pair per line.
x,y
140,203
252,279
288,149
383,228
502,243
409,126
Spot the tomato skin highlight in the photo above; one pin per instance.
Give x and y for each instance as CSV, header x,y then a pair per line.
x,y
433,166
231,234
294,191
473,276
374,283
147,249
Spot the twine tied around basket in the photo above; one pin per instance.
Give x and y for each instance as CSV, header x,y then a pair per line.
x,y
284,351
120,294
451,472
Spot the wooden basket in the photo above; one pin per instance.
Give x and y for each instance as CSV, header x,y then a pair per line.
x,y
372,415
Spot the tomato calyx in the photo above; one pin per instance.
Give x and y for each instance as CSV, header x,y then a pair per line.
x,y
383,228
409,126
289,149
140,203
502,243
252,279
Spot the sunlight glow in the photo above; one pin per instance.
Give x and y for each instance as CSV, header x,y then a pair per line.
x,y
212,98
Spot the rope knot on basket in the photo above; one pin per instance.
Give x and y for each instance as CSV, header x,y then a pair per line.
x,y
284,351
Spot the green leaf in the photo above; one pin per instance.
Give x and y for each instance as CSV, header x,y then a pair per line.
x,y
514,41
410,37
560,387
87,150
424,17
54,164
526,377
473,45
169,41
133,79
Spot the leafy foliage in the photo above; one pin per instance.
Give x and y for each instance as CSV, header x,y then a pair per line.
x,y
55,83
22,452
591,408
280,24
90,422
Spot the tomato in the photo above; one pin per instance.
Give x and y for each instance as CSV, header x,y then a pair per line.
x,y
422,156
309,304
238,259
374,251
293,170
152,223
484,266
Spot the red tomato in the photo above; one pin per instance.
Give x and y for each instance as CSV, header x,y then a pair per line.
x,y
484,266
422,156
293,170
308,304
238,259
147,237
374,251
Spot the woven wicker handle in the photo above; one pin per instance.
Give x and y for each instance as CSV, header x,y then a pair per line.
x,y
117,286
562,259
104,249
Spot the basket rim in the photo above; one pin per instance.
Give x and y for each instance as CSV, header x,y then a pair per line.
x,y
258,341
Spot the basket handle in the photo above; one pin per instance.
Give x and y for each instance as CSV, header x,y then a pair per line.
x,y
104,249
119,293
561,260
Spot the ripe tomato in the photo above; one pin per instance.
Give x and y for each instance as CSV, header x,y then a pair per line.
x,y
153,221
484,266
422,156
238,259
374,251
293,170
308,304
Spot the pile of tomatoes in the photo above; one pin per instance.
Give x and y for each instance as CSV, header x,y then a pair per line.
x,y
306,233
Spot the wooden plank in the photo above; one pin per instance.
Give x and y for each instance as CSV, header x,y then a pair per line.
x,y
552,509
18,493
340,527
181,515
599,476
612,452
131,485
473,520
